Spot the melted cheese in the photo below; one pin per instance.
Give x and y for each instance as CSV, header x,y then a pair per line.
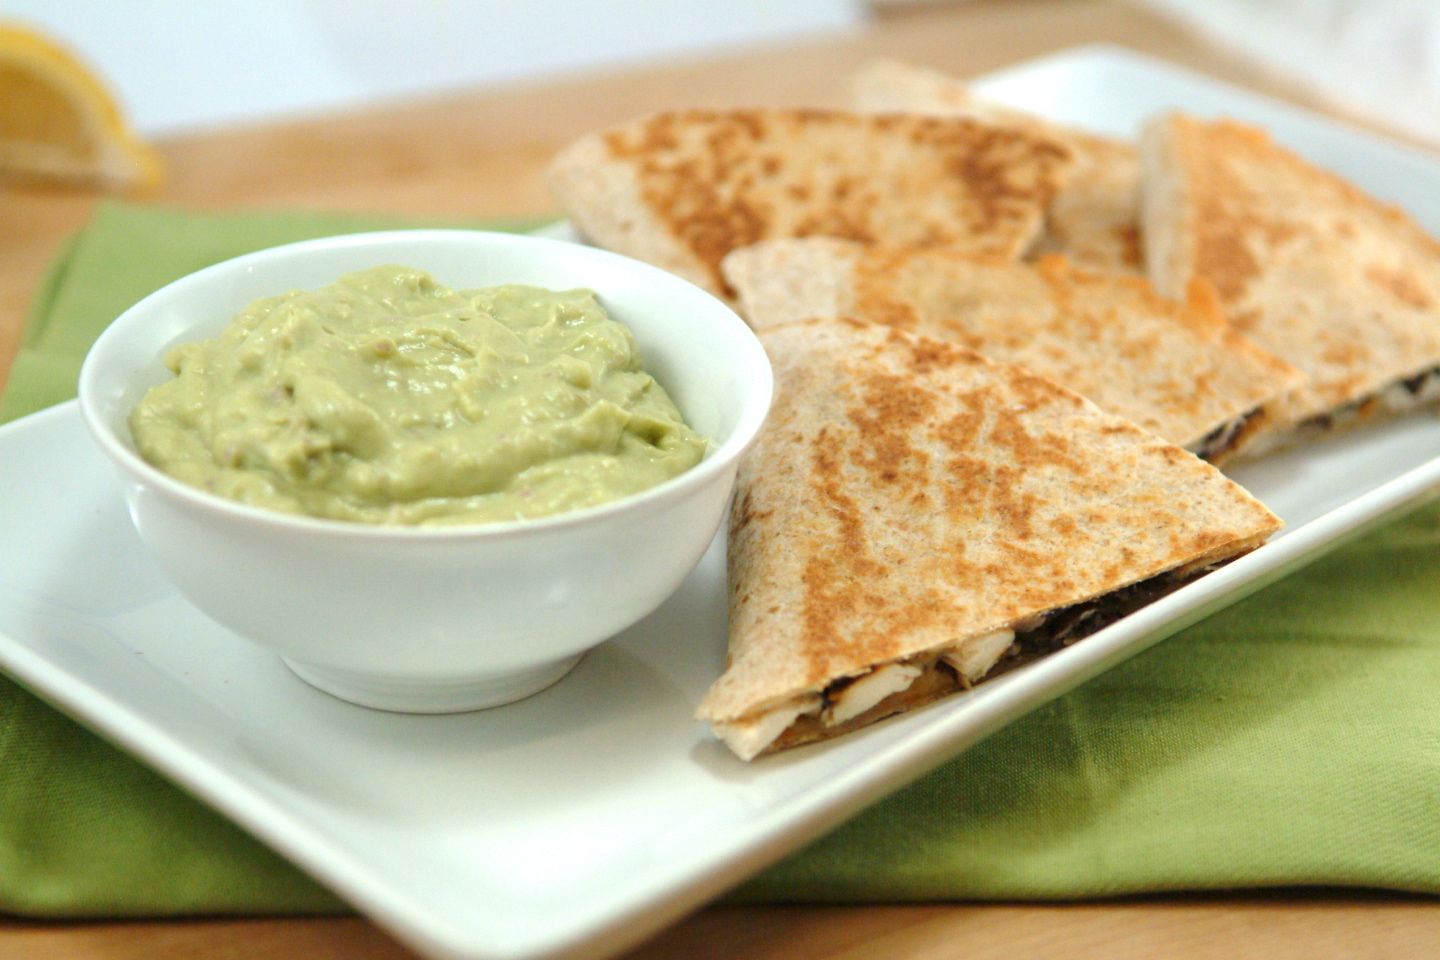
x,y
750,736
855,698
973,658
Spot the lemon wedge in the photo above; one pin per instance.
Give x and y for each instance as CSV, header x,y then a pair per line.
x,y
59,122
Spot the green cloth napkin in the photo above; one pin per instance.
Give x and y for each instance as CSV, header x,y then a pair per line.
x,y
1293,739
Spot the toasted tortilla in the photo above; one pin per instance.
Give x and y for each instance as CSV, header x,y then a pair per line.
x,y
1174,367
1309,267
1094,219
914,512
681,190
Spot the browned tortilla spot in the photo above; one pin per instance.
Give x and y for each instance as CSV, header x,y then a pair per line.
x,y
684,189
1174,367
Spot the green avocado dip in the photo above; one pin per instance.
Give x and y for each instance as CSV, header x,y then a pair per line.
x,y
388,398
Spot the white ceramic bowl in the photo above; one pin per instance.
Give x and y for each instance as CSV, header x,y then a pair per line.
x,y
444,619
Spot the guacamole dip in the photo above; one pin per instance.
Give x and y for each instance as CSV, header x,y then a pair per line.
x,y
388,398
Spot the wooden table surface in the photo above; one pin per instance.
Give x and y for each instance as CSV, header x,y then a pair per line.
x,y
481,154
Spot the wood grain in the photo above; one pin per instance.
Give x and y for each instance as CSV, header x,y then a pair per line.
x,y
482,154
1316,926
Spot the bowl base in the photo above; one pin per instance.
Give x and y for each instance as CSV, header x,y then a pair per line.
x,y
401,695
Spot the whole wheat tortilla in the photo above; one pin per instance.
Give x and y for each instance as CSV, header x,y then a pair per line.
x,y
1312,269
1094,218
908,496
1174,367
681,190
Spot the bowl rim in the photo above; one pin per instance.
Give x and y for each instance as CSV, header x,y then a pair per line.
x,y
754,405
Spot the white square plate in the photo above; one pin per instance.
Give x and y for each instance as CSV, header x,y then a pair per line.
x,y
582,820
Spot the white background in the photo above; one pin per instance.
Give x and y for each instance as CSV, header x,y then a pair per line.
x,y
1375,57
180,65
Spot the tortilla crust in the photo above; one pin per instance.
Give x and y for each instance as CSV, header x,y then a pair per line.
x,y
1308,266
681,190
908,495
1094,219
1175,368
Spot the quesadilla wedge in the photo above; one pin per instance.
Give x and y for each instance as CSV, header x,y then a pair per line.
x,y
1095,217
1309,267
914,514
1175,368
681,190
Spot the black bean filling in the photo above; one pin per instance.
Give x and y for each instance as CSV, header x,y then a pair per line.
x,y
1057,629
1413,385
1324,421
1224,437
1066,625
1060,628
1417,383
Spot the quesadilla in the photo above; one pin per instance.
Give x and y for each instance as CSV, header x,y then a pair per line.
x,y
1175,368
1094,218
914,515
681,190
1313,270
